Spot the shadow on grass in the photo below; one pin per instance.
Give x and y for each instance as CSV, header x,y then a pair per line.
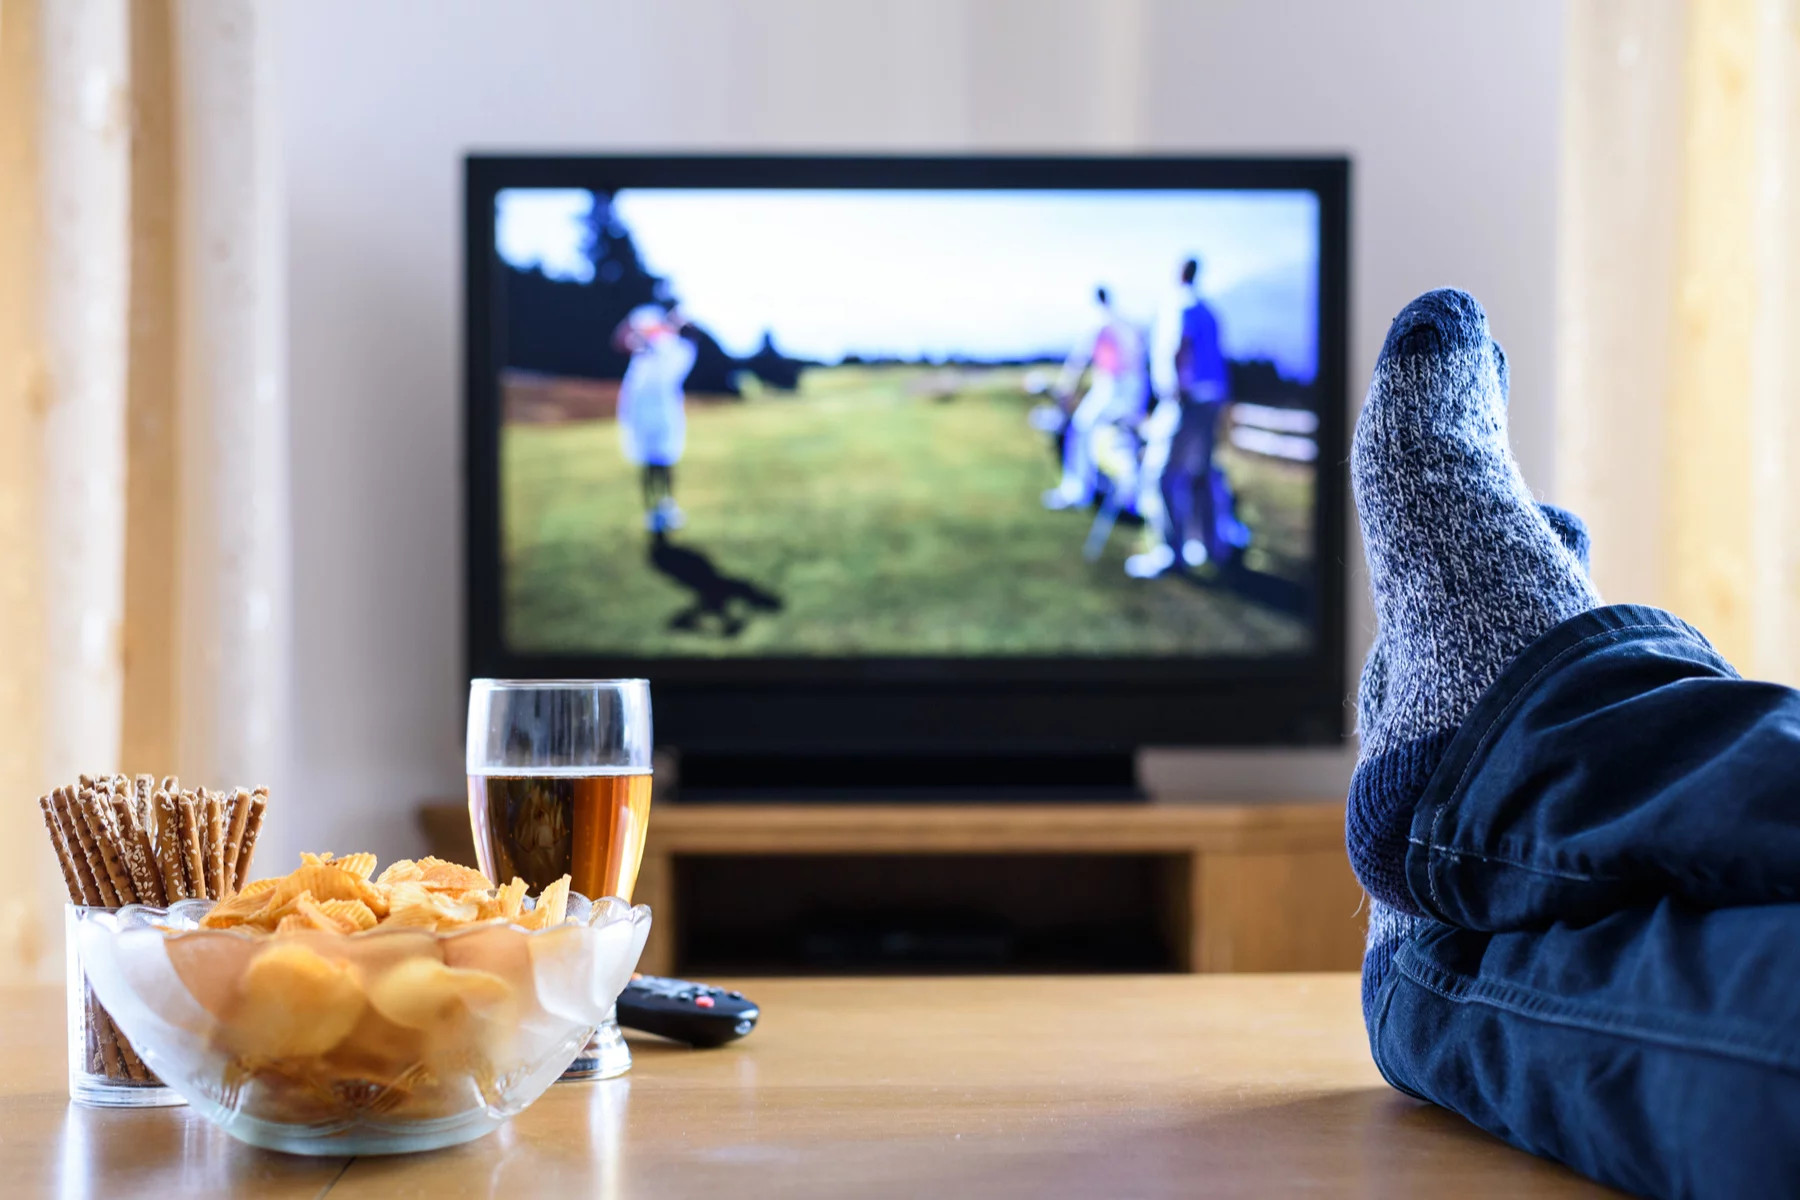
x,y
723,601
1259,587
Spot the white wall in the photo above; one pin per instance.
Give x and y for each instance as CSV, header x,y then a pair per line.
x,y
1449,109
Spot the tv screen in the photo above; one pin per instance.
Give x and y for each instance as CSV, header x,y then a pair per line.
x,y
745,421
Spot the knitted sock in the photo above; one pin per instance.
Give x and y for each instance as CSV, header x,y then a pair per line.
x,y
1466,569
1388,928
1570,530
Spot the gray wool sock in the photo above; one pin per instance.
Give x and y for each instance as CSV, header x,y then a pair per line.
x,y
1465,567
1570,530
1388,927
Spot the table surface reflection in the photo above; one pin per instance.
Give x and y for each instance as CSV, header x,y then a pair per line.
x,y
1140,1086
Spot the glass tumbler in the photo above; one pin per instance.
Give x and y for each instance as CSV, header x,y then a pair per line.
x,y
559,784
104,1070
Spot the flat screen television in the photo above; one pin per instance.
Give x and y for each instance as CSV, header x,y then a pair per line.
x,y
914,465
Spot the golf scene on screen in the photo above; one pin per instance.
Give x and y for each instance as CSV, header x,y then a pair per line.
x,y
896,423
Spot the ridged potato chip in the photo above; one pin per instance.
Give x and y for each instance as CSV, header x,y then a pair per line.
x,y
354,913
361,865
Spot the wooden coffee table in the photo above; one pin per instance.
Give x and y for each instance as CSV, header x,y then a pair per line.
x,y
1177,1085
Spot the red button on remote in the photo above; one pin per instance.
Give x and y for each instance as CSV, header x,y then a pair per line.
x,y
703,1001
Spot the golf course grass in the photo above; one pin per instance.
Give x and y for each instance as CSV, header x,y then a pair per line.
x,y
875,511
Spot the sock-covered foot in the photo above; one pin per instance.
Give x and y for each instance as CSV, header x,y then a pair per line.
x,y
1465,567
1387,927
1569,529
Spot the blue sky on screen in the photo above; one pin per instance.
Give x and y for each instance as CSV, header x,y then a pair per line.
x,y
915,274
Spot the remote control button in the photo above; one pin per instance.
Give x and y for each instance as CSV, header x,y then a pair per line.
x,y
734,995
685,996
704,1002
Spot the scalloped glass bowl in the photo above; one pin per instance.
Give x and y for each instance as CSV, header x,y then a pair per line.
x,y
380,1042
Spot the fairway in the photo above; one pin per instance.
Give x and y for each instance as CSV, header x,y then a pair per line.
x,y
876,511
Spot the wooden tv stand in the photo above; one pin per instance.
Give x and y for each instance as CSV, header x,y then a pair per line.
x,y
1243,886
1254,887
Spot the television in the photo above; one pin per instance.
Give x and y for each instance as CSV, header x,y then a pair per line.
x,y
913,470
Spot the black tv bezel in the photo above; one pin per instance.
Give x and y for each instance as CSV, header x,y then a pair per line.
x,y
932,705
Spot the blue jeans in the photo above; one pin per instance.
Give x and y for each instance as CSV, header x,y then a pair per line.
x,y
1610,855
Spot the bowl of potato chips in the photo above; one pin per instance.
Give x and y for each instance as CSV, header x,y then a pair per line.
x,y
335,1012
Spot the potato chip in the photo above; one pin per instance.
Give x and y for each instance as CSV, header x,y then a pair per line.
x,y
426,995
240,905
360,865
294,1002
552,906
253,889
306,906
354,913
421,915
293,923
403,870
444,876
327,881
512,898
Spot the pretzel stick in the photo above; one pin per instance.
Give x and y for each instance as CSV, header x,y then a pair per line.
x,y
79,816
97,811
106,1039
88,864
143,839
192,854
139,854
64,858
96,1063
205,884
142,789
134,1066
168,847
74,820
259,801
215,846
237,815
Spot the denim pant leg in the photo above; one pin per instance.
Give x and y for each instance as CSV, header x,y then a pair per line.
x,y
1656,1049
1617,761
1612,975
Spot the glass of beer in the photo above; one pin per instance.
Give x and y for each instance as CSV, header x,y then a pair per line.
x,y
559,783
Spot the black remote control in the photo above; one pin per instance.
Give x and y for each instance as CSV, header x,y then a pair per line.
x,y
684,1011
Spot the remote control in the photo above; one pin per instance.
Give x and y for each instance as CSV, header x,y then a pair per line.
x,y
684,1011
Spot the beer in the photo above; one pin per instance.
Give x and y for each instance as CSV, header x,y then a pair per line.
x,y
542,826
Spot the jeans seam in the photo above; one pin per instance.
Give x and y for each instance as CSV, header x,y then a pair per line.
x,y
1524,866
1531,1004
1433,843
